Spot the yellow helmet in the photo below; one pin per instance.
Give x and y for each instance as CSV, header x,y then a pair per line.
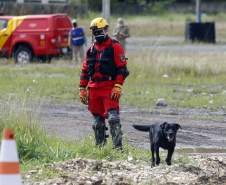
x,y
98,23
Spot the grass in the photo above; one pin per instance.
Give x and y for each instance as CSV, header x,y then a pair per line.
x,y
58,81
38,81
164,24
183,79
37,150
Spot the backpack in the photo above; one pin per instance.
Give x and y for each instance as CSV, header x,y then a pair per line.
x,y
77,36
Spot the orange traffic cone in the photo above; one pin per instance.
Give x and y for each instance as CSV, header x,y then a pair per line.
x,y
9,161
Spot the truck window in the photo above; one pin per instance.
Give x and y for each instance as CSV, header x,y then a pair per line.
x,y
3,23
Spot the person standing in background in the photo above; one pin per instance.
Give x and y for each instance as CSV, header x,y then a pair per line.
x,y
77,42
121,32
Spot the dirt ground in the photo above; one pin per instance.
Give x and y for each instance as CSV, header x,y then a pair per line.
x,y
203,131
201,128
204,170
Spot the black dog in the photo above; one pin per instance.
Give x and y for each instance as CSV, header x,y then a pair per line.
x,y
163,136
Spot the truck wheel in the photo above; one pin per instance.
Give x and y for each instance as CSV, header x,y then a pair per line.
x,y
23,55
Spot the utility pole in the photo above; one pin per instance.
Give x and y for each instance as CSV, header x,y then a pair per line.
x,y
106,4
20,1
198,11
45,1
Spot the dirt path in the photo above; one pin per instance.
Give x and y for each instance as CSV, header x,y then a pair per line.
x,y
200,127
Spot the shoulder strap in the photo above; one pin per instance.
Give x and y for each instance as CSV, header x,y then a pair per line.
x,y
92,49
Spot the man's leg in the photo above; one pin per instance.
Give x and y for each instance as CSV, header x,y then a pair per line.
x,y
115,128
96,107
99,130
75,54
81,53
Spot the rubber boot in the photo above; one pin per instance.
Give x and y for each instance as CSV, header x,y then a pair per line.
x,y
115,128
116,134
100,131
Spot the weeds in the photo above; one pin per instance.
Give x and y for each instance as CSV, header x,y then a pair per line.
x,y
36,147
182,79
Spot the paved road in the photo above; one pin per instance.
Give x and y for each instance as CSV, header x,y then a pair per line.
x,y
172,44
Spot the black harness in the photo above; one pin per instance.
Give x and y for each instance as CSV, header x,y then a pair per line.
x,y
106,62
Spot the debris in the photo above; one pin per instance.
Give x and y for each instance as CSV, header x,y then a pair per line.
x,y
161,102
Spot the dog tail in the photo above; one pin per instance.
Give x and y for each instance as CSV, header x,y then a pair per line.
x,y
144,128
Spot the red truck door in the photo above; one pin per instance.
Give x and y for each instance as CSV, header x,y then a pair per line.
x,y
63,26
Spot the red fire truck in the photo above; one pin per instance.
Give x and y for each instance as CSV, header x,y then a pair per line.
x,y
34,36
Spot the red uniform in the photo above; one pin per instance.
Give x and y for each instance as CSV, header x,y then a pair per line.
x,y
104,66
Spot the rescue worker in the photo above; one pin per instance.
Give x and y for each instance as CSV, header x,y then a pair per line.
x,y
77,41
121,32
103,72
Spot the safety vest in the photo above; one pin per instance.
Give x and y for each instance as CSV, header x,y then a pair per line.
x,y
77,36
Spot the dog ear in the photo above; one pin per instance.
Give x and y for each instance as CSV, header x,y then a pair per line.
x,y
163,125
177,126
